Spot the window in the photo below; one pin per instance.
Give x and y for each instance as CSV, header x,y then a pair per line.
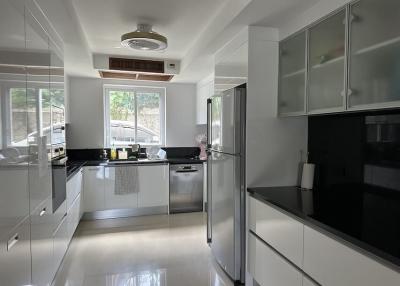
x,y
134,115
27,120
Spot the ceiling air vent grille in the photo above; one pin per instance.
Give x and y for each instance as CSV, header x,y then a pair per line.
x,y
134,65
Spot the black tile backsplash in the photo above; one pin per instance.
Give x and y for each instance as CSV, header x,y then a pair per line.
x,y
96,154
357,179
182,152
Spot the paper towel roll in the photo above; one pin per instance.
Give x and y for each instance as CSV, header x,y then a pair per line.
x,y
307,178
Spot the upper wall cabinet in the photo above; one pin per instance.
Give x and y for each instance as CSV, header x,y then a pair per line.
x,y
374,54
327,44
293,75
352,62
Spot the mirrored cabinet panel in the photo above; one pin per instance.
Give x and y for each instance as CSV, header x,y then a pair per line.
x,y
39,104
292,75
375,53
327,41
15,263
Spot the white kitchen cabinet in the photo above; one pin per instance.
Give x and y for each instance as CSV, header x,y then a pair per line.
x,y
15,257
74,187
93,188
332,263
373,55
60,242
268,268
42,226
73,216
279,230
293,75
153,185
114,200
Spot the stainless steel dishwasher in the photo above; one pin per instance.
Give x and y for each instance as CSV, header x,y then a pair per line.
x,y
186,188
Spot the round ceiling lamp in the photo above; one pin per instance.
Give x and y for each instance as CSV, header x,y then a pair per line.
x,y
145,39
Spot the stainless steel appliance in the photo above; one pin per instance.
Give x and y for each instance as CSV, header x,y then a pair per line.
x,y
59,174
186,188
226,133
57,132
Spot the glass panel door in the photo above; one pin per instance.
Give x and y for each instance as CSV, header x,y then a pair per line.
x,y
292,74
374,54
327,64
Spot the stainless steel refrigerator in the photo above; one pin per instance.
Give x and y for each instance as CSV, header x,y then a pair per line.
x,y
226,130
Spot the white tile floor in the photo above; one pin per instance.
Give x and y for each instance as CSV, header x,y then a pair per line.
x,y
146,251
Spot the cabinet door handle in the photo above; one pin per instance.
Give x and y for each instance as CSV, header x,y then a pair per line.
x,y
12,241
43,212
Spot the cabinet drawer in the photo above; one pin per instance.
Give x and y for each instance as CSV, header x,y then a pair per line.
x,y
73,216
42,226
269,268
15,257
331,263
279,230
74,187
60,243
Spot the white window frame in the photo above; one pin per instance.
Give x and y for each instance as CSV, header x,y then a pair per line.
x,y
133,88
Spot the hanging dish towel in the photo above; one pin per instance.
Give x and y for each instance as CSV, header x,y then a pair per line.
x,y
126,180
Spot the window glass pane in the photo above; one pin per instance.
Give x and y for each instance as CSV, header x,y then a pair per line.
x,y
57,97
122,117
18,116
149,125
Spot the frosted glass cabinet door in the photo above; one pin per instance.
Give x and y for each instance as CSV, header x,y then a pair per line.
x,y
292,75
327,64
374,54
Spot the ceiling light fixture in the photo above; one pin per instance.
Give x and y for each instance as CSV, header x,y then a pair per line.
x,y
145,39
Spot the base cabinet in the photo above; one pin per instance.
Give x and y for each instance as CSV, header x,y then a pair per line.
x,y
153,186
60,241
279,230
94,192
73,216
15,256
268,268
42,224
100,194
331,263
113,199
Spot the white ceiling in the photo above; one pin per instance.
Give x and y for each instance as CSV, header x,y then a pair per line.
x,y
196,29
181,21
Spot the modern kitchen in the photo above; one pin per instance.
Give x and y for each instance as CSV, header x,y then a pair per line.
x,y
202,143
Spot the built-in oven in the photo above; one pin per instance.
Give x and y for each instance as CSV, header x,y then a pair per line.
x,y
58,156
59,174
57,132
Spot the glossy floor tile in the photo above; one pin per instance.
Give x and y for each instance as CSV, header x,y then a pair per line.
x,y
146,251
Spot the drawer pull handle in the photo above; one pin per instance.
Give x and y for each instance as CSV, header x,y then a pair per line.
x,y
43,212
13,241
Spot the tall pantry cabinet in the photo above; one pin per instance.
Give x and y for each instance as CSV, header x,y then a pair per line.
x,y
27,221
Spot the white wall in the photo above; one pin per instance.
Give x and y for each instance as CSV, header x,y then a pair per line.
x,y
86,118
273,143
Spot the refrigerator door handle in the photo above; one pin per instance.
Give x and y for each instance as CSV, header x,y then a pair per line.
x,y
209,198
209,123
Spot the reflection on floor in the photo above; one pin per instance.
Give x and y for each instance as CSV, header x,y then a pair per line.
x,y
147,251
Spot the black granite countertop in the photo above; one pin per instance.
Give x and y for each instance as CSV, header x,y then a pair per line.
x,y
73,166
365,216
